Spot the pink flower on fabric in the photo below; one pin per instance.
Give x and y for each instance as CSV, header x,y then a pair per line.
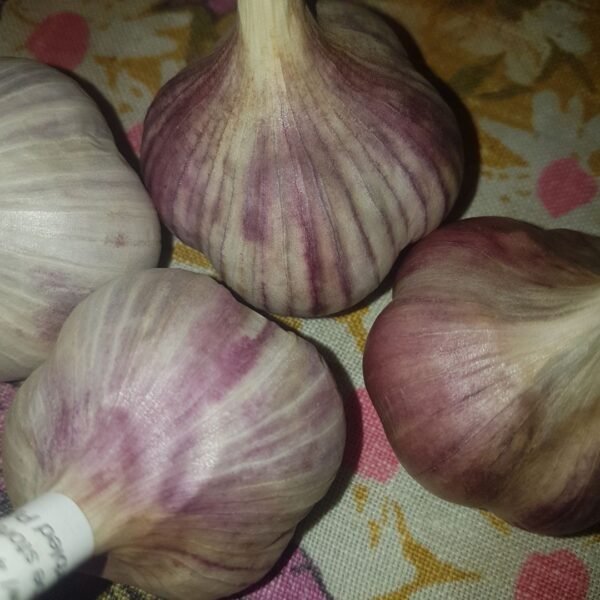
x,y
557,174
563,186
367,447
60,40
560,574
134,135
299,578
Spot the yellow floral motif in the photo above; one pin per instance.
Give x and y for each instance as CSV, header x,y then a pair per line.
x,y
124,108
188,256
496,522
429,569
354,321
494,154
361,497
593,540
147,70
503,52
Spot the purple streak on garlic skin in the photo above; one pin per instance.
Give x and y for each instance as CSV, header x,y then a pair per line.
x,y
302,156
193,440
485,370
73,214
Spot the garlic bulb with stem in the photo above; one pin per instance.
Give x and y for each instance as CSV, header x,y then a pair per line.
x,y
485,371
73,213
193,441
302,155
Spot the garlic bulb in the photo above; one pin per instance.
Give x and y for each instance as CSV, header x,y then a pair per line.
x,y
193,440
302,156
485,370
73,214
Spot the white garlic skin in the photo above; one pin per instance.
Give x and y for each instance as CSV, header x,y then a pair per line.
x,y
194,440
485,371
73,213
302,156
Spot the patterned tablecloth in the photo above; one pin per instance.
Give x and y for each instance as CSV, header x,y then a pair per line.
x,y
523,76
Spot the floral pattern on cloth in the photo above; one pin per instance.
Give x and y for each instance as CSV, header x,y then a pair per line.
x,y
524,77
559,175
525,48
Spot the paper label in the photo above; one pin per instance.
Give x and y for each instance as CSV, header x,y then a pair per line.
x,y
40,543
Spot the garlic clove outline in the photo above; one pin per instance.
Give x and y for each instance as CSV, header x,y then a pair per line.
x,y
193,441
485,371
73,213
302,156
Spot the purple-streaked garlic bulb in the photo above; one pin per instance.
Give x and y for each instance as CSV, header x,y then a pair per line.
x,y
302,155
192,433
485,371
73,214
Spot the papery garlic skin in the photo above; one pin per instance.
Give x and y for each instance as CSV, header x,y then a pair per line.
x,y
302,156
73,214
194,440
485,371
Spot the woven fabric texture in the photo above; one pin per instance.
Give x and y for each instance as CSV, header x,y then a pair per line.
x,y
525,76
